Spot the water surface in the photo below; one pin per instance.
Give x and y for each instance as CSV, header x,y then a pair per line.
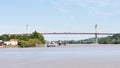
x,y
71,56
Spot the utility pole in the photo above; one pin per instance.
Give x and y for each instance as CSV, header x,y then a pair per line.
x,y
96,38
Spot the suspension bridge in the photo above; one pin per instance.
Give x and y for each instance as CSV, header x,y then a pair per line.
x,y
96,33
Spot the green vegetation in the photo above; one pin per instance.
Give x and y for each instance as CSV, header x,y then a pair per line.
x,y
5,37
26,40
115,39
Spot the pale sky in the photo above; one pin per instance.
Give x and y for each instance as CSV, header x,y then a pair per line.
x,y
59,16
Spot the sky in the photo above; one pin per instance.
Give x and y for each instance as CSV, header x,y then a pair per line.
x,y
59,16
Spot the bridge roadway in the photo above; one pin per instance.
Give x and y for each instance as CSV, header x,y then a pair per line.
x,y
68,33
71,33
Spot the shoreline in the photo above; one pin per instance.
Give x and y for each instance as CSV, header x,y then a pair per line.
x,y
66,46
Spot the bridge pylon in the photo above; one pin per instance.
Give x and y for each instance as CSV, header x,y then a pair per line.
x,y
96,37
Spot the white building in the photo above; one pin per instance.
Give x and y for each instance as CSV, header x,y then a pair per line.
x,y
12,42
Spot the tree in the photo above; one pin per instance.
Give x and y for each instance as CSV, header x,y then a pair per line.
x,y
36,35
12,36
31,40
23,43
24,37
5,37
116,36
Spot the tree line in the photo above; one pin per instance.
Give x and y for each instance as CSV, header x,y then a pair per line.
x,y
115,39
26,40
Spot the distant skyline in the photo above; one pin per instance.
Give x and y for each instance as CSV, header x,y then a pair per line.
x,y
59,16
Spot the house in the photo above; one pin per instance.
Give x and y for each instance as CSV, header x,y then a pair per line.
x,y
14,41
11,42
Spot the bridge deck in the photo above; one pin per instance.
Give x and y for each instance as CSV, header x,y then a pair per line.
x,y
78,33
68,33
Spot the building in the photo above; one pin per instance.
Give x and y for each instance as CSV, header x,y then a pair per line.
x,y
1,42
11,42
14,41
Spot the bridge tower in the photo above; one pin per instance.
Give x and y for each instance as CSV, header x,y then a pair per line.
x,y
96,38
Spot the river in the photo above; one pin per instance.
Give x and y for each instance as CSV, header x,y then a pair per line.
x,y
70,56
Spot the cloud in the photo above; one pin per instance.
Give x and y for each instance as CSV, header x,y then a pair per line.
x,y
65,11
98,6
100,3
60,6
93,7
